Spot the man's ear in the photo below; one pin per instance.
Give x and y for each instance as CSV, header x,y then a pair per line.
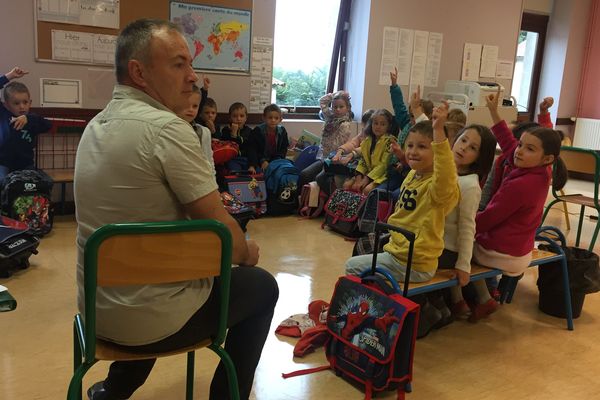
x,y
548,159
136,73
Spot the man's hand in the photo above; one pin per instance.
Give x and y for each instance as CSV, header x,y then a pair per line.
x,y
19,122
546,104
394,77
253,254
15,73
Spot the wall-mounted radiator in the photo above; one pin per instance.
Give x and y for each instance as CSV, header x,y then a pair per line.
x,y
587,133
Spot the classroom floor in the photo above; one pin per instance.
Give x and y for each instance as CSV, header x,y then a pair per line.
x,y
518,353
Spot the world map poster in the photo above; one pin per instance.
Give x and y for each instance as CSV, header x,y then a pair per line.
x,y
218,38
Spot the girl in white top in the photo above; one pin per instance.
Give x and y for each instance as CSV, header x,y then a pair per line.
x,y
473,151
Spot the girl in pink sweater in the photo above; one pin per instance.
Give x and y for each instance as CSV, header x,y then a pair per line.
x,y
505,229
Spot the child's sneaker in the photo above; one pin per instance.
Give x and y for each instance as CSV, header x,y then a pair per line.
x,y
483,310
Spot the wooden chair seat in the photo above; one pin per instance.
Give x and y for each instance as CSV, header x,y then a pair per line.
x,y
109,351
61,175
578,199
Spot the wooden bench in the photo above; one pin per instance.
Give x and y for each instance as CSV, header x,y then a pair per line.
x,y
444,277
62,176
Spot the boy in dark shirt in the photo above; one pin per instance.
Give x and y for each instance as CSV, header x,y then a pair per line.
x,y
237,131
271,136
18,128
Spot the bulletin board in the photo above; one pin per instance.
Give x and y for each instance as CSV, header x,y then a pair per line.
x,y
130,10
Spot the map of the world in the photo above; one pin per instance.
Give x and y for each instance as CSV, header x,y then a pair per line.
x,y
218,38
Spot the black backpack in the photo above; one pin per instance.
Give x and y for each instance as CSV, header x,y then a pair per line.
x,y
26,197
17,244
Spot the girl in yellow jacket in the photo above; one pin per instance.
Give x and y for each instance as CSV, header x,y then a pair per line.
x,y
427,195
375,150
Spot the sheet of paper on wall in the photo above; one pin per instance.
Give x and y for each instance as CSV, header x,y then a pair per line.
x,y
471,62
101,13
504,69
67,11
60,93
389,54
103,51
489,59
261,74
72,46
405,51
434,59
419,61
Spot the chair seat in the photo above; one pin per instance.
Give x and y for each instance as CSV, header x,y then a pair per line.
x,y
443,275
578,199
109,351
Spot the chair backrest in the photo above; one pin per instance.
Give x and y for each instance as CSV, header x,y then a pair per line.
x,y
152,253
580,160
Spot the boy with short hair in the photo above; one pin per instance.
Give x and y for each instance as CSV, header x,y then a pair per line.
x,y
18,128
237,131
208,115
271,136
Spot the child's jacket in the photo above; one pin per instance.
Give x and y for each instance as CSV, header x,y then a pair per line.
x,y
374,165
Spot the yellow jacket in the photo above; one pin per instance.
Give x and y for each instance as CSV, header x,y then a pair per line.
x,y
374,165
422,207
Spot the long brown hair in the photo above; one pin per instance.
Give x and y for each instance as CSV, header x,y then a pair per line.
x,y
551,142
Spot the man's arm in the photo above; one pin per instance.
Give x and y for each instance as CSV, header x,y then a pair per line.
x,y
210,207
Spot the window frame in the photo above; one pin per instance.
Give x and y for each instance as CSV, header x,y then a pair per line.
x,y
537,23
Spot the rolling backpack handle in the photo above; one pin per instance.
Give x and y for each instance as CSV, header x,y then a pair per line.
x,y
379,227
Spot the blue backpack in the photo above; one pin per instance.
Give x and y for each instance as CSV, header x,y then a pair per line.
x,y
281,179
306,157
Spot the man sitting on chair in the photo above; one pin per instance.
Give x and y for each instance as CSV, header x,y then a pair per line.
x,y
138,162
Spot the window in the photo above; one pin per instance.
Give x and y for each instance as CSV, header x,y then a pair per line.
x,y
528,64
303,48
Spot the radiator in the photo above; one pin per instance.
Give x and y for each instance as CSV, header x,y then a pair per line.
x,y
587,133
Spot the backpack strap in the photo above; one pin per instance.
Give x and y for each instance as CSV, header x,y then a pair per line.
x,y
305,371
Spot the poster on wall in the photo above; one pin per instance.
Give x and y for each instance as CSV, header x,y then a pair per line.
x,y
218,38
100,13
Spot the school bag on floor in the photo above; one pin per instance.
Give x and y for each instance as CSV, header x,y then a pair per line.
x,y
281,179
224,150
378,207
26,197
312,201
306,157
342,211
238,210
17,244
248,188
372,329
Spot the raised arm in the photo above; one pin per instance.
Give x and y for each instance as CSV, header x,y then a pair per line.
x,y
401,114
544,116
503,134
444,186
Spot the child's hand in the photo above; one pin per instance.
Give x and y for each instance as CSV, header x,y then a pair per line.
x,y
415,103
252,170
235,128
491,101
462,276
19,122
439,117
205,82
394,77
15,73
346,159
264,165
546,104
337,156
211,126
396,149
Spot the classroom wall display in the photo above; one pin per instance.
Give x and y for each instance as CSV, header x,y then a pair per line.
x,y
218,37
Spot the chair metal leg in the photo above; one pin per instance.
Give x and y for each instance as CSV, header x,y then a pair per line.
x,y
74,392
511,287
567,290
591,247
230,368
547,210
566,211
579,227
189,381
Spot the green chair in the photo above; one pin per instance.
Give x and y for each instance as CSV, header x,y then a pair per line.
x,y
586,162
146,254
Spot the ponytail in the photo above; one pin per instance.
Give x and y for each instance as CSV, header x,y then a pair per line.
x,y
559,174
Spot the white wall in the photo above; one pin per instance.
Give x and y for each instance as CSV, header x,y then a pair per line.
x,y
538,6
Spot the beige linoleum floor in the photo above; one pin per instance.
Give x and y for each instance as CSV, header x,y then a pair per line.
x,y
518,353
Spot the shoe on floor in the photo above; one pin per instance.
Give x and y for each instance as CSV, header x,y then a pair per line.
x,y
460,309
428,318
483,310
97,392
